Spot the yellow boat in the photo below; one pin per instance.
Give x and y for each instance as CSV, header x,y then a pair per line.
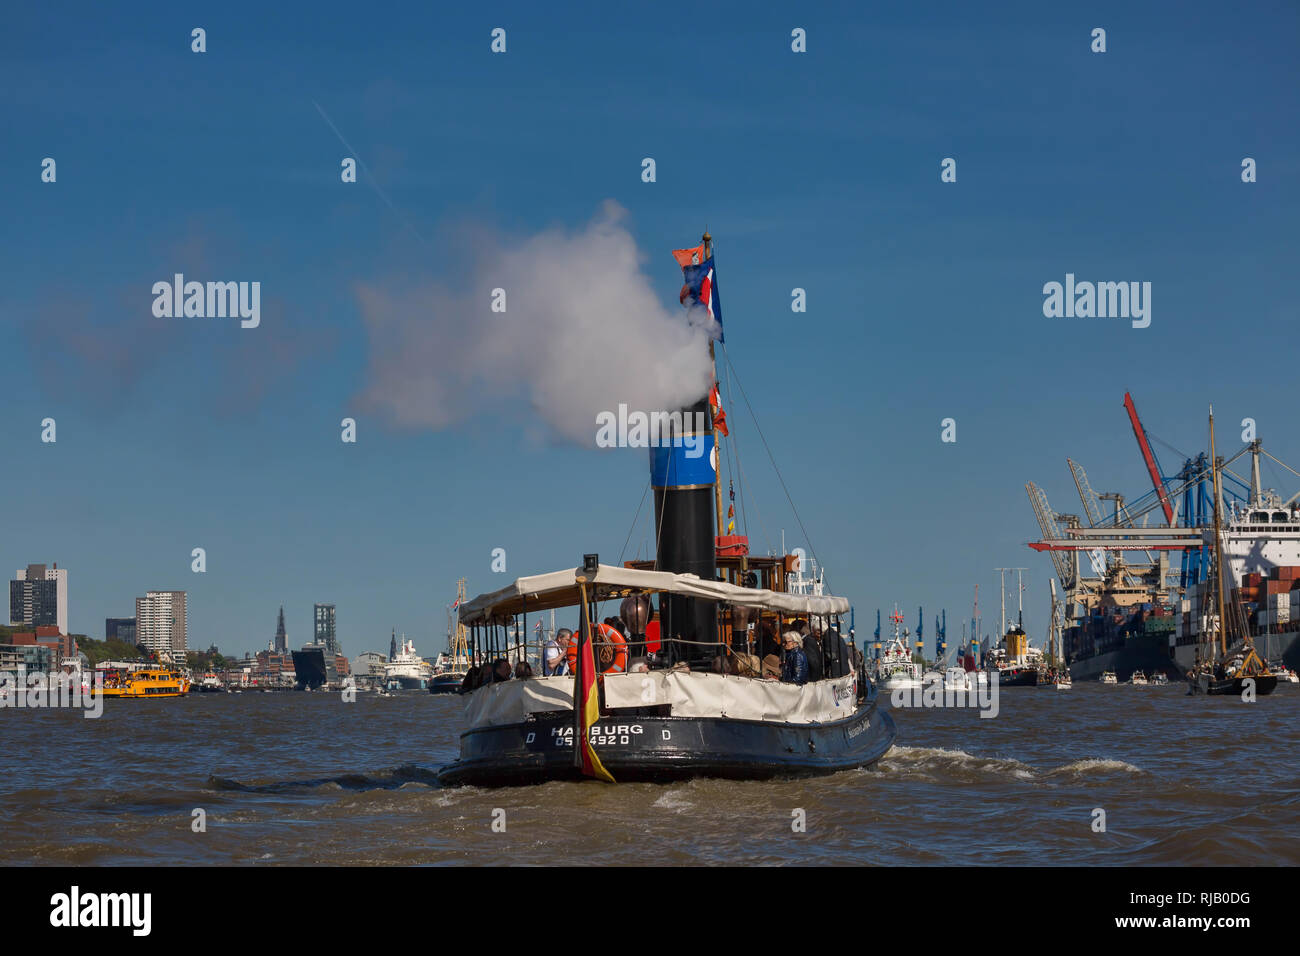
x,y
150,682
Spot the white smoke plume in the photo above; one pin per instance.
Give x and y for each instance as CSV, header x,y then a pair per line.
x,y
583,331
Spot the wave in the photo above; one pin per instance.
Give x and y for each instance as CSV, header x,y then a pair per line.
x,y
1095,765
938,762
391,779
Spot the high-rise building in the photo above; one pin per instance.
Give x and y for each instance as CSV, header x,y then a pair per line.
x,y
281,645
119,629
325,632
162,622
38,597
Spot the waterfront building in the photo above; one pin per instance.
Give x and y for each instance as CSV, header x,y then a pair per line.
x,y
119,629
325,632
368,664
38,596
162,623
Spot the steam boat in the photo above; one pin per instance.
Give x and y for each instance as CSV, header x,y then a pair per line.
x,y
678,681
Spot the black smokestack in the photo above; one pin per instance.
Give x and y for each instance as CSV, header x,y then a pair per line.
x,y
682,472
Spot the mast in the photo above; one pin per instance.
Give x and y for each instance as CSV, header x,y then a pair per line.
x,y
717,472
1003,589
1218,552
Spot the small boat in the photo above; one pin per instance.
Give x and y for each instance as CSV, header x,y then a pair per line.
x,y
1138,679
1159,678
672,715
895,668
1284,674
1108,677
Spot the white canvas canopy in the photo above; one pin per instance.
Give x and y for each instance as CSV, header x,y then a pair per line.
x,y
540,592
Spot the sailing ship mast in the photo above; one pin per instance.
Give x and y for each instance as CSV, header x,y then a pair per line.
x,y
1218,547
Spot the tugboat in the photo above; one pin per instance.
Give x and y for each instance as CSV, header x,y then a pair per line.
x,y
1014,661
1220,671
678,683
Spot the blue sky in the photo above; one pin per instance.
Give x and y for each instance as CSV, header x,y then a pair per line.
x,y
816,170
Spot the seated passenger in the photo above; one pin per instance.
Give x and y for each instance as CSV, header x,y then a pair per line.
x,y
794,669
812,649
500,669
523,670
471,680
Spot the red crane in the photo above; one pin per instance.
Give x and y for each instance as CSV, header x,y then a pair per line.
x,y
1156,481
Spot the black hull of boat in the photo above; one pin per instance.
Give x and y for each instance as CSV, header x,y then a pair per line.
x,y
1026,677
446,683
666,749
1235,686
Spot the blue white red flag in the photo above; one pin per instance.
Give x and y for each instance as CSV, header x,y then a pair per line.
x,y
702,289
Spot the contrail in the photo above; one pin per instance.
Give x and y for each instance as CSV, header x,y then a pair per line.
x,y
370,177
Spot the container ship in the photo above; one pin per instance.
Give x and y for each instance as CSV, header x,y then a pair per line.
x,y
1261,548
1151,617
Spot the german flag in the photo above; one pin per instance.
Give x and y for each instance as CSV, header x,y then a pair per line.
x,y
586,707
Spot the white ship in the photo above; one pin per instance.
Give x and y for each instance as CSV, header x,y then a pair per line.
x,y
407,670
895,668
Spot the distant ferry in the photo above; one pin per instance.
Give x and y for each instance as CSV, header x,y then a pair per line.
x,y
148,683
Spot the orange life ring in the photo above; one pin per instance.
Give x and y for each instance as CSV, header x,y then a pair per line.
x,y
610,637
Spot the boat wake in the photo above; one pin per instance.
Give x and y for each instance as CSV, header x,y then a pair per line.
x,y
937,763
391,779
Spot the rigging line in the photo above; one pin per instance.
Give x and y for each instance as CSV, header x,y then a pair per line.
x,y
758,428
758,515
732,452
744,518
1158,440
634,520
1282,463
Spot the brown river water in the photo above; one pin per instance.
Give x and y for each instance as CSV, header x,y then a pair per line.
x,y
290,778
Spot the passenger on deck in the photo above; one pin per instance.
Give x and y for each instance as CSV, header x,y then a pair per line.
x,y
794,669
523,670
555,661
812,649
471,680
500,669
